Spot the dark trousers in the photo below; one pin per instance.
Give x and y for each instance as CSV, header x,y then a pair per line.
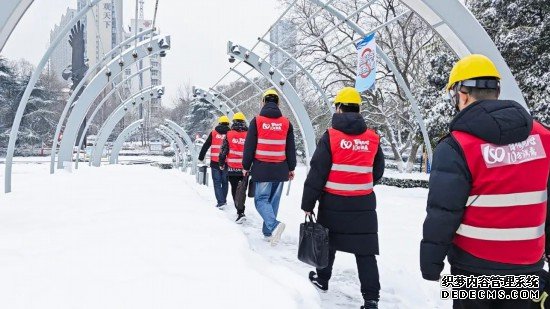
x,y
234,181
219,178
489,303
368,274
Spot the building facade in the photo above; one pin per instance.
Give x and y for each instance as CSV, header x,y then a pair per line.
x,y
283,34
103,28
61,56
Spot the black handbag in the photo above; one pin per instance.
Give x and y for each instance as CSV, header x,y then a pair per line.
x,y
240,194
313,246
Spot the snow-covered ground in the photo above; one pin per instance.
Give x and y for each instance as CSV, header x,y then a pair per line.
x,y
141,237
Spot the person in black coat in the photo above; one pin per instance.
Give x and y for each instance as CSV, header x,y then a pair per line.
x,y
268,177
351,220
499,122
235,175
219,177
269,171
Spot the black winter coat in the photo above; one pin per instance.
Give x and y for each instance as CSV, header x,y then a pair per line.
x,y
222,129
351,220
239,126
268,171
497,122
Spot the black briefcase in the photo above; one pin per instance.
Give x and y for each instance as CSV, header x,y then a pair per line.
x,y
313,246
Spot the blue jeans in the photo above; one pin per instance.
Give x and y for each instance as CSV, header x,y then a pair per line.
x,y
221,187
266,199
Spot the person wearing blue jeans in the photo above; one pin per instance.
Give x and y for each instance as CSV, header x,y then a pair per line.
x,y
267,197
219,178
270,157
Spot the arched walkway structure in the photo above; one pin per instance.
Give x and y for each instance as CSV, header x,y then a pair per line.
x,y
130,130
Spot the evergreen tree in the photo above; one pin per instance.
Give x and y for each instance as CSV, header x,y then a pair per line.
x,y
437,109
201,118
42,111
43,108
10,94
521,31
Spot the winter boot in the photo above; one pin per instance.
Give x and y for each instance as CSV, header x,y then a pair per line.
x,y
319,283
370,304
221,206
277,234
240,218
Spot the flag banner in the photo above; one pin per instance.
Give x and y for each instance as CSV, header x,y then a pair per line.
x,y
366,64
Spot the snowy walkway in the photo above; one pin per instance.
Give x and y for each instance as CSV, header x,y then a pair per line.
x,y
141,237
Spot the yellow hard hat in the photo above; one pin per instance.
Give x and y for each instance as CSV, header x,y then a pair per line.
x,y
348,95
270,92
471,67
223,119
239,116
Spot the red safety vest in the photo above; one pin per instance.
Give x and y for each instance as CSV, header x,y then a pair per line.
x,y
215,147
272,133
352,161
235,140
505,214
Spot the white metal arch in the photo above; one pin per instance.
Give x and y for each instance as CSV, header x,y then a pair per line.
x,y
172,134
98,83
312,80
458,27
175,145
11,13
130,130
183,134
111,122
12,21
280,82
207,96
98,108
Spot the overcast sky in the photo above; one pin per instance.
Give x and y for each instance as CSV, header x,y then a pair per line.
x,y
200,30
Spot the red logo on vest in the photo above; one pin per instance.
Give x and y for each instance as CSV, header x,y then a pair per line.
x,y
518,153
239,141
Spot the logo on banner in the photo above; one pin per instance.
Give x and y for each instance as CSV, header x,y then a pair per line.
x,y
367,63
517,153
